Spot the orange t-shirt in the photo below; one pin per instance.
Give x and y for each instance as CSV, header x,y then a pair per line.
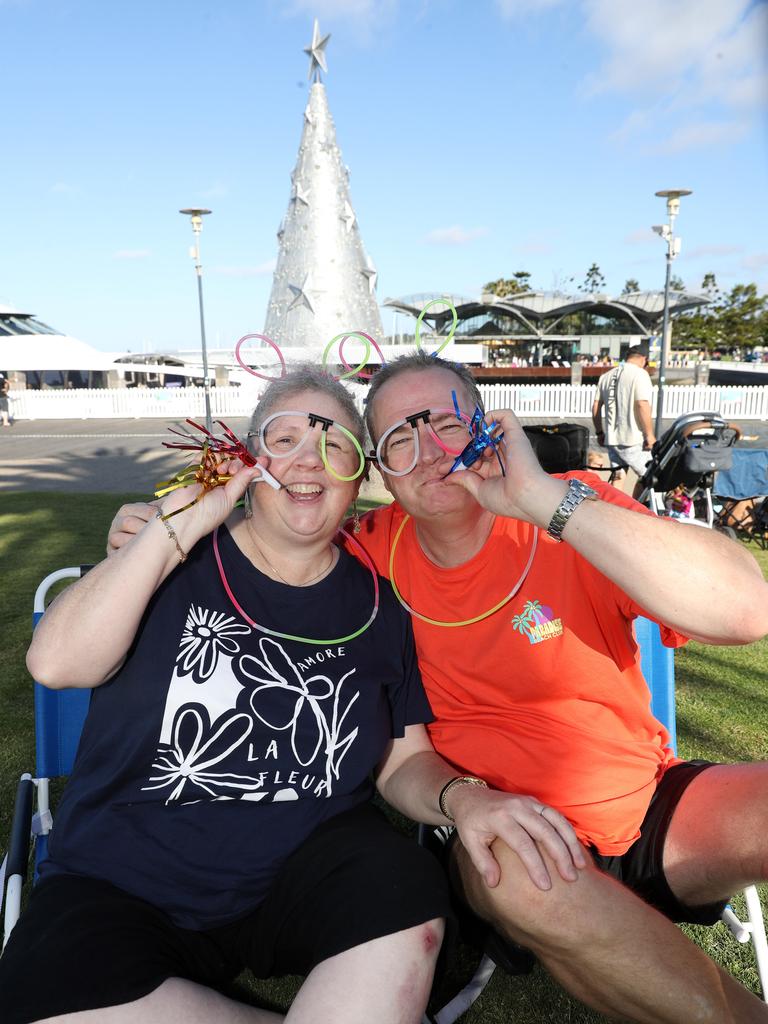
x,y
545,696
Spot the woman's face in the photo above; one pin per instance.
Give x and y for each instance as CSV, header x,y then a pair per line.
x,y
311,502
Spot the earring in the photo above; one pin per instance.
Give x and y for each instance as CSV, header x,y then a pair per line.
x,y
355,519
247,503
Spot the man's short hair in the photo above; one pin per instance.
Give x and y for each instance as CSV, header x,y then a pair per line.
x,y
418,361
637,351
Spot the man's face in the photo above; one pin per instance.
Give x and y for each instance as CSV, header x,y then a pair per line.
x,y
423,492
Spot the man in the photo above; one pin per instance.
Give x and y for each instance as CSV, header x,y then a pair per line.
x,y
526,649
626,394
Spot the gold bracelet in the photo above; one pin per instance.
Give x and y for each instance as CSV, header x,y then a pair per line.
x,y
459,780
172,535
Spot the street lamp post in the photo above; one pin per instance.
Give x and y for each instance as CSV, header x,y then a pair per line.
x,y
672,195
196,216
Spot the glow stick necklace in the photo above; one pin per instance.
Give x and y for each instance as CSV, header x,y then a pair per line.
x,y
359,549
463,622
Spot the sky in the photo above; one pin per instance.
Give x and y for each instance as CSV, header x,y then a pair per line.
x,y
483,137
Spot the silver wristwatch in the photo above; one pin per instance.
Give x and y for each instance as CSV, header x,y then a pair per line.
x,y
578,491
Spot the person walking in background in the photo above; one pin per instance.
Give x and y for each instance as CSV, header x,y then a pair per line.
x,y
625,393
5,387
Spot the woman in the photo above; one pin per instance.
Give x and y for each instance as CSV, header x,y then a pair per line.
x,y
218,815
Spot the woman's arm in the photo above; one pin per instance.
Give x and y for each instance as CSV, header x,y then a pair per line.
x,y
83,637
411,777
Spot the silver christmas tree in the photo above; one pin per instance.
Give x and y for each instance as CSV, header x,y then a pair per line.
x,y
324,282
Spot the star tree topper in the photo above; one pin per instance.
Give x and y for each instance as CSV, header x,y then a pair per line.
x,y
316,53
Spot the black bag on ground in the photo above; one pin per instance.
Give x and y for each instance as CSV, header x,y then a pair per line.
x,y
559,447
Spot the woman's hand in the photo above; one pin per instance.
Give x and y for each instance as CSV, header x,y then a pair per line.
x,y
525,492
484,815
210,510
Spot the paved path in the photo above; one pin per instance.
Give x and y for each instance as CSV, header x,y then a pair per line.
x,y
128,456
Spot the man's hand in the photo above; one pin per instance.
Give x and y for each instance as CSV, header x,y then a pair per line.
x,y
649,442
526,492
483,815
128,521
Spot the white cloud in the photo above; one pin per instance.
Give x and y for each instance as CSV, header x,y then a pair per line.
x,y
702,251
258,271
62,188
639,237
455,235
706,133
521,8
216,191
131,254
755,261
689,60
355,10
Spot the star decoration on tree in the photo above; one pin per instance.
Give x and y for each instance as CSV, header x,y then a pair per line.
x,y
316,53
301,294
299,194
372,275
348,216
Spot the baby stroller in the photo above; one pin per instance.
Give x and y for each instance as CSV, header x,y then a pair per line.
x,y
679,478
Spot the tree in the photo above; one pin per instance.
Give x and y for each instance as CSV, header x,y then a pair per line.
x,y
515,285
738,319
630,285
594,280
676,284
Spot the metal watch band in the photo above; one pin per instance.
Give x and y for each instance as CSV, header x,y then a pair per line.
x,y
578,491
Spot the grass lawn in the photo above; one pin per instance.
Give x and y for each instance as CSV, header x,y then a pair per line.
x,y
722,715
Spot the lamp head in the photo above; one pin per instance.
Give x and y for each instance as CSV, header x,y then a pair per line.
x,y
672,195
196,215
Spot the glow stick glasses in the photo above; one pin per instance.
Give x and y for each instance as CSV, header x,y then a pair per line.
x,y
283,434
399,447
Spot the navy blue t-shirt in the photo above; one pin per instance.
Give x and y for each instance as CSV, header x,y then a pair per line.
x,y
216,750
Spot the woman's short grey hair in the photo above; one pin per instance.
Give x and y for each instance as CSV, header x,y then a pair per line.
x,y
305,377
419,361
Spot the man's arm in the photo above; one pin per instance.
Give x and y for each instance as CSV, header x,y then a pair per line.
x,y
697,581
644,421
597,418
411,776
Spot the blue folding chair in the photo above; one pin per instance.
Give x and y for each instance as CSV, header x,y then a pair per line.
x,y
59,717
658,666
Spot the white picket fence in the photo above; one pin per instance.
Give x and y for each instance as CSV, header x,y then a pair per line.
x,y
546,400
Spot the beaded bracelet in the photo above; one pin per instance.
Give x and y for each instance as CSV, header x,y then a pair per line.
x,y
172,535
459,780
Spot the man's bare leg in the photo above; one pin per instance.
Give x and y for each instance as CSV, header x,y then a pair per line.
x,y
607,947
716,841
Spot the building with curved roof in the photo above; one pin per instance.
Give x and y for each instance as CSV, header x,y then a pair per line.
x,y
548,325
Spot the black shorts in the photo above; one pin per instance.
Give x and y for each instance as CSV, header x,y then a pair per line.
x,y
355,879
641,868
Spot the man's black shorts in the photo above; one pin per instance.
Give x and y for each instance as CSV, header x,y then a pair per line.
x,y
355,879
641,867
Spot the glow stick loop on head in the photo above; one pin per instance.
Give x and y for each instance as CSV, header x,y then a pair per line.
x,y
450,305
248,369
364,375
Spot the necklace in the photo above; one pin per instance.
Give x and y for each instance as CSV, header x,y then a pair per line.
x,y
463,622
277,572
359,550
